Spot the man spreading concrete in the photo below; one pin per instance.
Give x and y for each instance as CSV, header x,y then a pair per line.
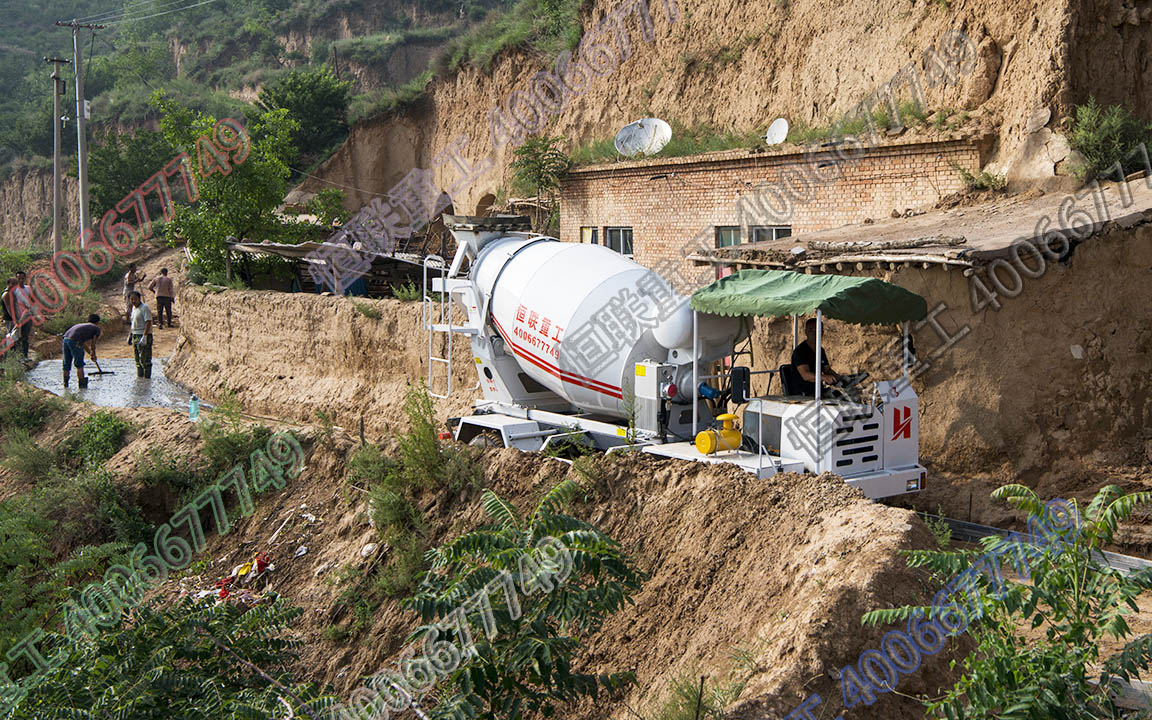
x,y
140,337
74,340
162,286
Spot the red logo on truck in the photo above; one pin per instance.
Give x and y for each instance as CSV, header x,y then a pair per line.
x,y
902,423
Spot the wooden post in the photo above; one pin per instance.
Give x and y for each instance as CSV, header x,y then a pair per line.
x,y
228,263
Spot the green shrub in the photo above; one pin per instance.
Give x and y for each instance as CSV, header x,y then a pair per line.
x,y
1041,640
407,293
1108,138
25,456
227,440
549,627
100,437
405,565
193,659
159,468
113,508
369,465
982,180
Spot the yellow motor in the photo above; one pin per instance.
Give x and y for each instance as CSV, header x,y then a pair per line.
x,y
726,438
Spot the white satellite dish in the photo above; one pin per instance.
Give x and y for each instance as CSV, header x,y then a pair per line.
x,y
643,137
777,132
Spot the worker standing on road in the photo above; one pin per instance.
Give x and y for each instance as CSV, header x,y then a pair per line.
x,y
74,339
130,280
162,286
6,301
22,310
141,335
804,361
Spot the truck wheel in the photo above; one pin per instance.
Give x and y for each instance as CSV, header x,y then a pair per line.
x,y
486,439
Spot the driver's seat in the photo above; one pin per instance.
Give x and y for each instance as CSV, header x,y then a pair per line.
x,y
789,379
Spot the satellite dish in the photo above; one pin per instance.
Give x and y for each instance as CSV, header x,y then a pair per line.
x,y
777,132
643,137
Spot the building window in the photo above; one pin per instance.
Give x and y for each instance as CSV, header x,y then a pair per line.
x,y
589,235
764,234
727,236
619,239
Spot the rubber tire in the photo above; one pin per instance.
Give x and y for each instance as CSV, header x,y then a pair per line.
x,y
487,439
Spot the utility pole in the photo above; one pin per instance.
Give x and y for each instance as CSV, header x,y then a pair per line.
x,y
81,138
57,92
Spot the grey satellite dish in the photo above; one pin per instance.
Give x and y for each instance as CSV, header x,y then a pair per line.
x,y
777,132
643,137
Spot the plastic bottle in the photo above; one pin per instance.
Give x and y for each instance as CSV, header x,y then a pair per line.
x,y
194,408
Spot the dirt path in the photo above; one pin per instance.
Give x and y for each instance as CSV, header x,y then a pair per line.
x,y
114,343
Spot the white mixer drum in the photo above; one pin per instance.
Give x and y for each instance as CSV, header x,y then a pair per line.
x,y
575,316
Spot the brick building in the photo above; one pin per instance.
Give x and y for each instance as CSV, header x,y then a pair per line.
x,y
660,210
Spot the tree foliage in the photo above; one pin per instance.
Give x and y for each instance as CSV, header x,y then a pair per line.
x,y
538,165
241,203
195,659
118,164
527,667
316,100
1074,598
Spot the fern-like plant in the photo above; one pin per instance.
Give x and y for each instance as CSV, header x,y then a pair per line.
x,y
526,667
195,659
1073,597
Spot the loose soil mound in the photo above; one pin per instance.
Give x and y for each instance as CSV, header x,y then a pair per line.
x,y
782,569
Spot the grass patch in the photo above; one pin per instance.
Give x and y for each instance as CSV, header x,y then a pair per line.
x,y
23,408
389,100
367,310
685,141
77,310
25,456
547,26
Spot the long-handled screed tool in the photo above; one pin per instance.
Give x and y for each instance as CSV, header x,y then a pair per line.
x,y
99,371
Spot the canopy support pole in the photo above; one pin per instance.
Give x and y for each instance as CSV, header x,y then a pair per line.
x,y
695,375
819,383
795,331
904,358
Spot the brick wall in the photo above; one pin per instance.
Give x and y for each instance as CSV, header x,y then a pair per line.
x,y
674,205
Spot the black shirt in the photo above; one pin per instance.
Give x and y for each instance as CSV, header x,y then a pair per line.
x,y
805,354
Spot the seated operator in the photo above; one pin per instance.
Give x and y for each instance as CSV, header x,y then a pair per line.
x,y
804,362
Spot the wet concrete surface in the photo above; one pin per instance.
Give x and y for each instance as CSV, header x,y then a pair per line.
x,y
120,389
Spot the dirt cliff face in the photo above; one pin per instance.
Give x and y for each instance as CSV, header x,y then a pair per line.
x,y
738,66
291,355
26,199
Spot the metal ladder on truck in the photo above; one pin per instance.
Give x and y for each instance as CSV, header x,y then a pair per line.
x,y
438,318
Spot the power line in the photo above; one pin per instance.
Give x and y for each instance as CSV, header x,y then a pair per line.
x,y
129,9
329,182
167,12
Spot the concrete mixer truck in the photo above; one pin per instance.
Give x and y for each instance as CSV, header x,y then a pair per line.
x,y
578,343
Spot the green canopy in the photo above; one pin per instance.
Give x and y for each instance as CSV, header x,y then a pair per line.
x,y
864,301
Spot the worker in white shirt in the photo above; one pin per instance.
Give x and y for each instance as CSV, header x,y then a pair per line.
x,y
140,336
